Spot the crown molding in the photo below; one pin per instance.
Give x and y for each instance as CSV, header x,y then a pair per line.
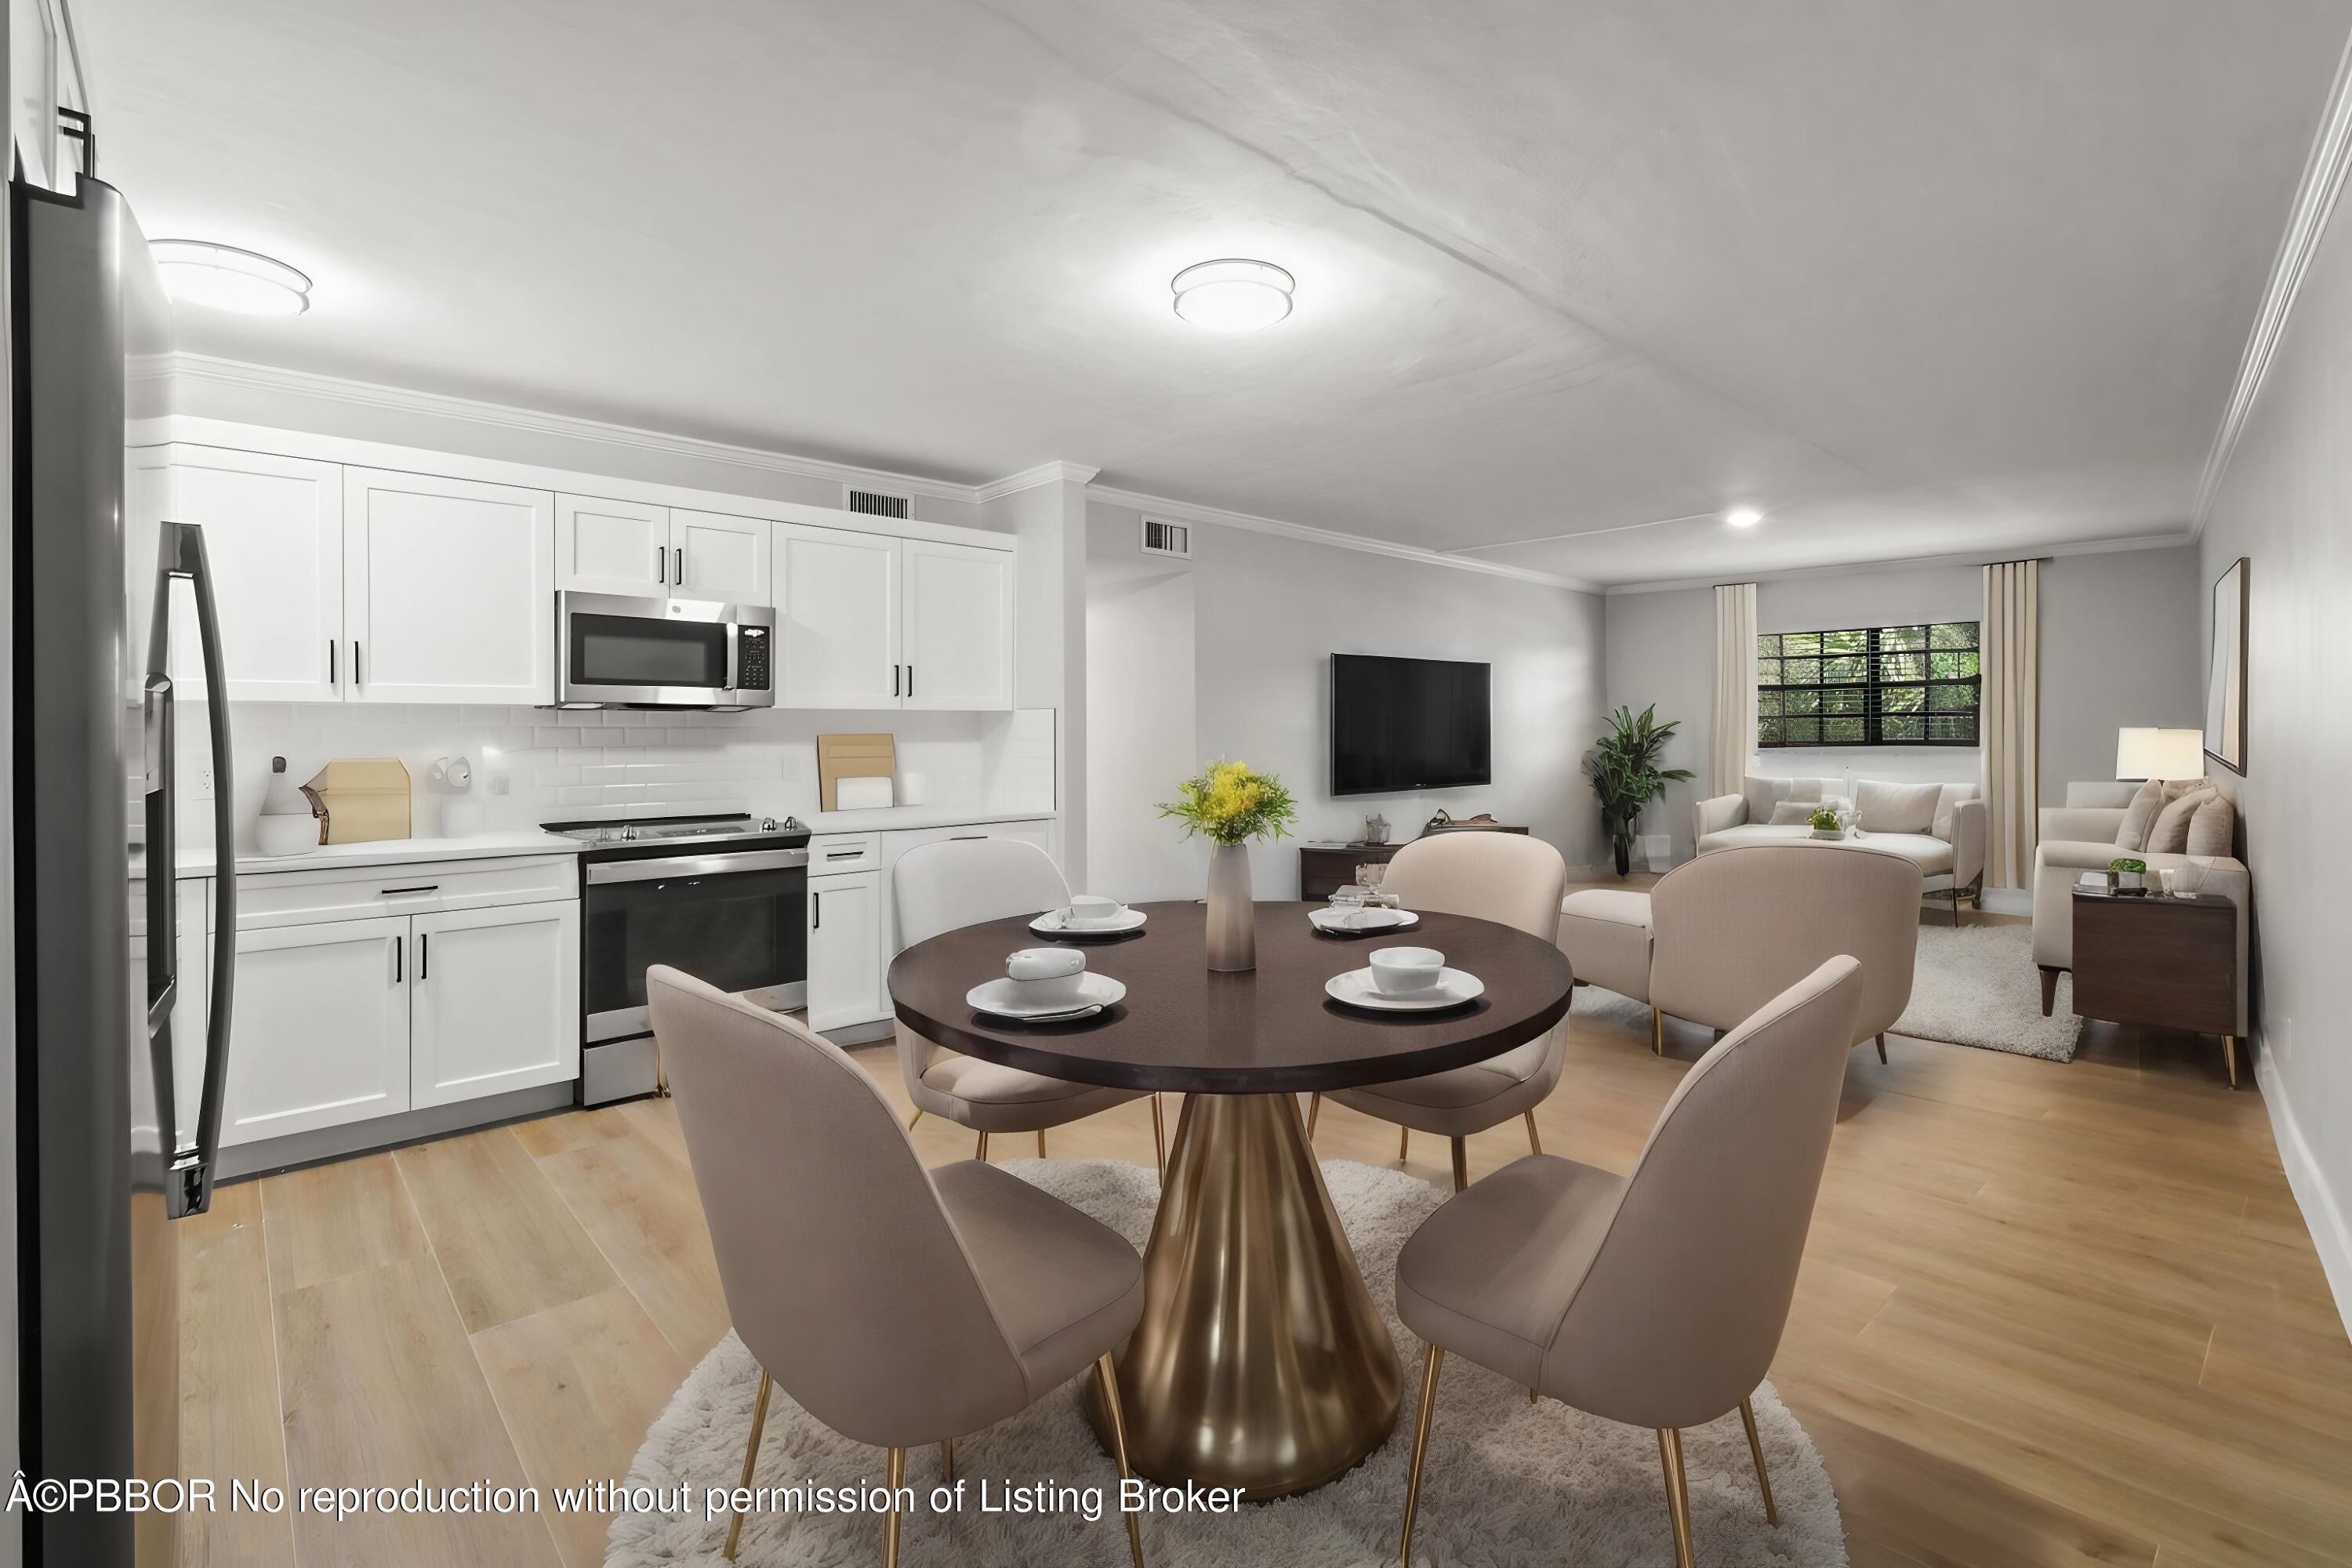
x,y
1186,512
1056,472
2307,225
1914,563
243,375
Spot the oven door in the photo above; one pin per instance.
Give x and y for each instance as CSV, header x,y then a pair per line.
x,y
661,653
739,921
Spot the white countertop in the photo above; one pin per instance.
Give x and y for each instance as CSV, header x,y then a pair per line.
x,y
899,818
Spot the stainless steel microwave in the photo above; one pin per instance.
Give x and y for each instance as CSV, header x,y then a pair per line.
x,y
613,651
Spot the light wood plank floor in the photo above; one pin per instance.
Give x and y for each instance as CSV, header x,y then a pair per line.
x,y
2048,1315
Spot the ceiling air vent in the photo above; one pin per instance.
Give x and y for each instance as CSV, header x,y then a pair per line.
x,y
874,503
1167,539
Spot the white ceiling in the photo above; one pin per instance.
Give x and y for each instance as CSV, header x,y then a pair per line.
x,y
1917,278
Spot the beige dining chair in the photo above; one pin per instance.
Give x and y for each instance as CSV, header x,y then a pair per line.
x,y
988,1295
1656,1299
965,881
1511,879
1735,927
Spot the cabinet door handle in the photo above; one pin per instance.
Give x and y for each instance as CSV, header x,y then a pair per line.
x,y
396,961
910,681
678,580
817,902
419,888
424,955
330,662
843,854
355,663
894,679
661,564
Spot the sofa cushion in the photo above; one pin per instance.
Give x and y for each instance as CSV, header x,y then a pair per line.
x,y
1606,934
2140,816
1882,808
1932,856
2213,829
1946,803
1793,813
2170,834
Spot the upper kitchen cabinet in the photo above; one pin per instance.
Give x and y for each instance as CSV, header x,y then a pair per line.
x,y
273,534
448,589
836,618
867,621
714,556
956,612
612,547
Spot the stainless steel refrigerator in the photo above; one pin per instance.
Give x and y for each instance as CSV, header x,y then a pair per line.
x,y
103,1167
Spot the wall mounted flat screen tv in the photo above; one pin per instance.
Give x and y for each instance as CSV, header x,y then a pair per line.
x,y
1402,724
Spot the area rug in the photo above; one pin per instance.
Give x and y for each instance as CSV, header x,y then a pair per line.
x,y
1972,985
1507,1483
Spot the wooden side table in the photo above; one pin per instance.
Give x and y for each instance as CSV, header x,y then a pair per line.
x,y
2171,964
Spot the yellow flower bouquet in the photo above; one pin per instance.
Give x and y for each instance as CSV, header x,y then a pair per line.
x,y
1232,802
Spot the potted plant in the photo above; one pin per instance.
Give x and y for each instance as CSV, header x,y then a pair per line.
x,y
1825,823
1231,804
2126,875
1624,766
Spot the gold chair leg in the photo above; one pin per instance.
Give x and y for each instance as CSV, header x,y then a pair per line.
x,y
750,1456
1535,1144
912,1120
1882,1050
946,1461
1158,1137
1106,1375
981,1153
2229,1058
1432,1359
1404,1141
1756,1447
891,1521
1461,1163
1041,1143
1314,1110
1670,1453
1657,1033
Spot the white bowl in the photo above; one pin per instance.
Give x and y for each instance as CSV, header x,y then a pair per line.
x,y
1043,975
1093,910
1400,971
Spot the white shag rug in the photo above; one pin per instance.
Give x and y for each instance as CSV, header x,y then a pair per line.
x,y
1507,1483
1972,985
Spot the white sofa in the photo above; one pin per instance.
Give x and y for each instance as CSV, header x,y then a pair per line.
x,y
2080,837
1952,849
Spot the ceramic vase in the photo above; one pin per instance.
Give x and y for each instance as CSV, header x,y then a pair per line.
x,y
1233,917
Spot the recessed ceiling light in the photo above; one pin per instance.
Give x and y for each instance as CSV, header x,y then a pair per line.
x,y
1743,517
227,279
1232,295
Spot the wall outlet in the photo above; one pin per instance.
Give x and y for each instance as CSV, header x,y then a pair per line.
x,y
498,781
202,782
791,773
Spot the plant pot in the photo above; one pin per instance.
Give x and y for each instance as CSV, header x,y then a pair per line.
x,y
1624,848
1232,915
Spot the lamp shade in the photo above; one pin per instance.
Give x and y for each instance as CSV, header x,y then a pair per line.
x,y
2159,754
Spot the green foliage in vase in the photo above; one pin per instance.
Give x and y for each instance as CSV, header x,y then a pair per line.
x,y
1623,767
1232,802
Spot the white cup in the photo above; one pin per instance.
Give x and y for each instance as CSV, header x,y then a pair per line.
x,y
1092,910
1400,971
1045,976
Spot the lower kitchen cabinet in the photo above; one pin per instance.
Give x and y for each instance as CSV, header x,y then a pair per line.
x,y
318,1036
495,1002
844,951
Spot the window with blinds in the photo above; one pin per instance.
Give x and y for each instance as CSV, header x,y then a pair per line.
x,y
1869,685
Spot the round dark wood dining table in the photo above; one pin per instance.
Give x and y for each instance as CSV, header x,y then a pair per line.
x,y
1260,1362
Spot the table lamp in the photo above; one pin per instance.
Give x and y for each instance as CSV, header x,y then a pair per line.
x,y
2159,754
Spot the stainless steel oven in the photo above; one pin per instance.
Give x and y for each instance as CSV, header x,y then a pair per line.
x,y
614,651
723,898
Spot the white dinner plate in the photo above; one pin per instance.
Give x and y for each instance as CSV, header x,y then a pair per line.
x,y
1051,923
998,996
1334,920
1454,988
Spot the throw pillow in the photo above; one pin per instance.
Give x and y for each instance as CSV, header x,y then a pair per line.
x,y
1896,807
2170,834
2140,816
1946,803
1796,812
1763,795
2213,828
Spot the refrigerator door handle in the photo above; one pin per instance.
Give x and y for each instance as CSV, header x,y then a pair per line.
x,y
189,1189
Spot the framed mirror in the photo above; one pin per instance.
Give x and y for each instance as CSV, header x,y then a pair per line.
x,y
2225,672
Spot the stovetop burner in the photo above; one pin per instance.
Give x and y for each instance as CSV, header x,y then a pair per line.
x,y
705,829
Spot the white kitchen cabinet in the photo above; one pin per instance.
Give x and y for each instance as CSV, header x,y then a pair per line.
x,y
957,615
846,951
318,1036
274,536
448,589
836,618
714,556
612,547
495,1002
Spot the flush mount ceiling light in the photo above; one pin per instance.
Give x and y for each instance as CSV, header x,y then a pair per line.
x,y
1232,295
1743,517
227,279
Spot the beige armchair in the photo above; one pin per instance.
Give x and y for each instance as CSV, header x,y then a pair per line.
x,y
1508,878
2080,837
1656,1299
986,1296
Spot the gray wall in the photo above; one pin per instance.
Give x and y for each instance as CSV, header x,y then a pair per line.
x,y
1267,611
2118,650
2282,504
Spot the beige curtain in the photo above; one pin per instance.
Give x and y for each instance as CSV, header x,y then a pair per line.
x,y
2012,719
1734,739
